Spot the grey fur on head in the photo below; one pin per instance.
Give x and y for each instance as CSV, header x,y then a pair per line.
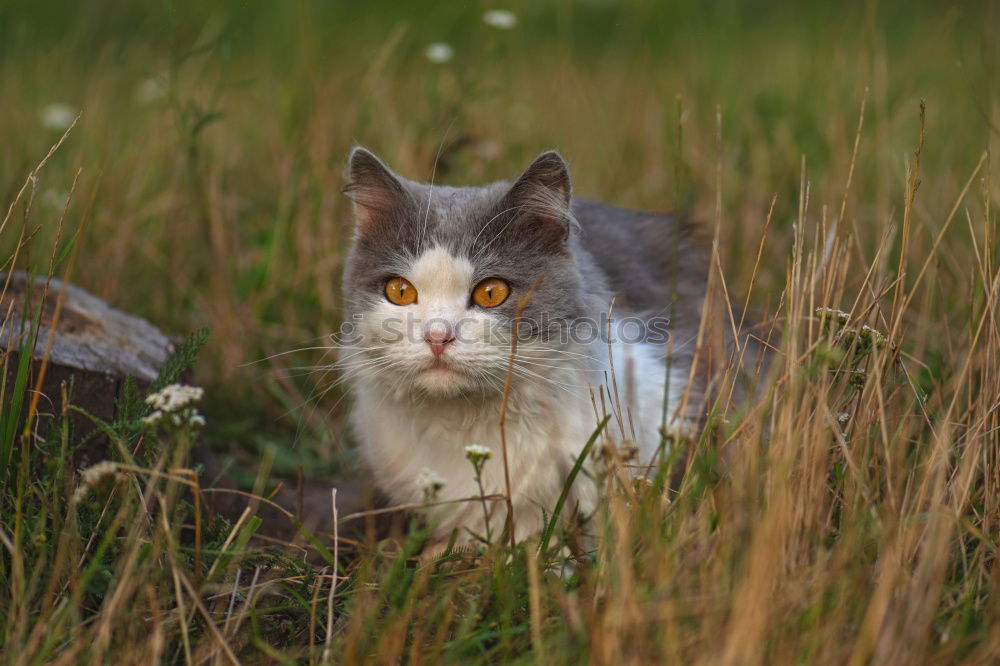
x,y
519,232
582,255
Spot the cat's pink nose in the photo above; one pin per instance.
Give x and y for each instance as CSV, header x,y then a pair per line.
x,y
438,339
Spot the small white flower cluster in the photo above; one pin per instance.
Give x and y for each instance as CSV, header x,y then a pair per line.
x,y
500,19
876,338
57,117
839,314
173,397
833,314
173,404
188,417
55,199
150,90
430,483
439,52
93,475
477,453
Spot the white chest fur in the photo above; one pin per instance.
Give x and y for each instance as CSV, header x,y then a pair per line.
x,y
548,421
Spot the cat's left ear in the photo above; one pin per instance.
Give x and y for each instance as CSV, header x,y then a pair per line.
x,y
376,191
542,194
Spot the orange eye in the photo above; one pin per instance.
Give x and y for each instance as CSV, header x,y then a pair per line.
x,y
490,293
399,291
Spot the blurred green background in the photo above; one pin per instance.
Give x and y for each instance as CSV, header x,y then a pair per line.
x,y
213,136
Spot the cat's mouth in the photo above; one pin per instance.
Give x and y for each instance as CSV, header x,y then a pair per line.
x,y
440,366
445,378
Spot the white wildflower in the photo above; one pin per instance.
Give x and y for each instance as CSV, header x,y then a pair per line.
x,y
55,199
439,52
93,475
833,314
192,418
839,314
189,417
877,339
501,19
174,397
172,404
57,117
478,453
430,483
150,90
79,494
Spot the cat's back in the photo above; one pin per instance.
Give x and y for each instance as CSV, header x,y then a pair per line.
x,y
645,257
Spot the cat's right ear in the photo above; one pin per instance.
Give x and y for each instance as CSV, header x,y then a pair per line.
x,y
375,190
540,200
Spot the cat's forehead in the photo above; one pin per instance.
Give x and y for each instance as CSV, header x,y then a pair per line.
x,y
452,216
440,275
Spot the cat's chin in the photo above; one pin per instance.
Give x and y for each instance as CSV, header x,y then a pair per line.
x,y
445,382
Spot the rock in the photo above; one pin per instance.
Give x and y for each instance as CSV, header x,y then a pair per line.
x,y
95,347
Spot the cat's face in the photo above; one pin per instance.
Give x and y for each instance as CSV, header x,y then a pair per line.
x,y
437,275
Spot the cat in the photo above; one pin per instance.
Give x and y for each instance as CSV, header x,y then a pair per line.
x,y
433,284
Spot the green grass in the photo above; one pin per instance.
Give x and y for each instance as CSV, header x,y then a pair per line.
x,y
210,156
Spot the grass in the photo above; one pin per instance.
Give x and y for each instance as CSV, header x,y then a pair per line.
x,y
851,516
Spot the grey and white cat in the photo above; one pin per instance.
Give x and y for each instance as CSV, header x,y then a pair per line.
x,y
433,284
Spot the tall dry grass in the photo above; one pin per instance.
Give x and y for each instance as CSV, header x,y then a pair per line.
x,y
850,515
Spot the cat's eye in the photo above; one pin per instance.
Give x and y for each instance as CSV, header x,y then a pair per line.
x,y
399,291
490,293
